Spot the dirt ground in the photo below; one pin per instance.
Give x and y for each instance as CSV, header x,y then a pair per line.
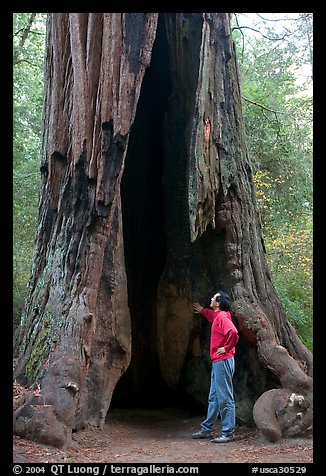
x,y
162,436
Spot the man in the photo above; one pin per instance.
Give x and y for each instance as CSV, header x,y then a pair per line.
x,y
224,337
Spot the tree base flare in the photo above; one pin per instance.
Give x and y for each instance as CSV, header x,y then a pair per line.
x,y
279,413
39,423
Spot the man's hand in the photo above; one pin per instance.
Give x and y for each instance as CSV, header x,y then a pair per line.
x,y
197,307
220,350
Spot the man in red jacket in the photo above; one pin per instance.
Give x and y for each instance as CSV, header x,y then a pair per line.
x,y
224,337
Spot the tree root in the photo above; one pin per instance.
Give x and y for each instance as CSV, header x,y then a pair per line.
x,y
279,413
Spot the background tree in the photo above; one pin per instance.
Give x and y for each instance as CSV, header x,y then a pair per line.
x,y
28,69
276,73
147,204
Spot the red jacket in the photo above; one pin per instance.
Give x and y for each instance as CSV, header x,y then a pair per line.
x,y
223,333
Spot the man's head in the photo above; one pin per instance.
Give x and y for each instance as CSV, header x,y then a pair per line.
x,y
221,300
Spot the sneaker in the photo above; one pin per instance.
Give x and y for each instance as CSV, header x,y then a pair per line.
x,y
202,434
223,439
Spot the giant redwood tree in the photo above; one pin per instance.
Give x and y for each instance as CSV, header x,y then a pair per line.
x,y
147,205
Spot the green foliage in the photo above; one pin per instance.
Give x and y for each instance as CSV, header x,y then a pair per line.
x,y
290,258
28,45
278,119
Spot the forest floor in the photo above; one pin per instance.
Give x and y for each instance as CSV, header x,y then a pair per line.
x,y
162,435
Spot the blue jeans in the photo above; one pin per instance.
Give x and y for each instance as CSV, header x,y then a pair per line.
x,y
220,399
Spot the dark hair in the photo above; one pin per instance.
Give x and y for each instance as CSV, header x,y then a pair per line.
x,y
225,305
224,300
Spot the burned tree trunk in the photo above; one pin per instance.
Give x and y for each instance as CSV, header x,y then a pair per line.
x,y
148,204
76,340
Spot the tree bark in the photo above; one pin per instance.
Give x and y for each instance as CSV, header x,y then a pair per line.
x,y
147,205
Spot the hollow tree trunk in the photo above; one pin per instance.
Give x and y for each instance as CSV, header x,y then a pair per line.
x,y
77,339
148,204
